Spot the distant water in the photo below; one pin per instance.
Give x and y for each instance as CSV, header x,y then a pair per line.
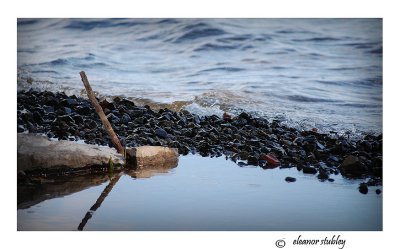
x,y
324,73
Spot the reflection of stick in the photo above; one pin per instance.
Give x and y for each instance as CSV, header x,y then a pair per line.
x,y
101,114
98,203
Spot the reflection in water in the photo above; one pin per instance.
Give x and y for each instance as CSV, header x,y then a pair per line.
x,y
100,200
204,194
30,194
140,173
41,189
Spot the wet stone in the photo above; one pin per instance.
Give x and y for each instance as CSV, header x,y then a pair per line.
x,y
161,133
290,179
20,128
48,109
37,117
242,164
363,188
252,160
309,170
67,110
126,119
323,174
113,118
352,165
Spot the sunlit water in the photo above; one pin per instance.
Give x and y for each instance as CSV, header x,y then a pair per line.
x,y
324,73
213,194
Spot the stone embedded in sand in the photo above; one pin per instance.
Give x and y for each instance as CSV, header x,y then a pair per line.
x,y
151,156
38,152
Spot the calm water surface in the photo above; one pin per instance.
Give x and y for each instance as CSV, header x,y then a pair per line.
x,y
324,73
208,194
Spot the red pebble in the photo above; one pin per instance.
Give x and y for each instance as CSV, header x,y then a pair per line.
x,y
226,116
271,159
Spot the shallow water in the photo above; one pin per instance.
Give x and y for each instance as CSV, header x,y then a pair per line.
x,y
208,194
324,73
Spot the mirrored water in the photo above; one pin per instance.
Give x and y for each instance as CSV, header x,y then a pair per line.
x,y
202,194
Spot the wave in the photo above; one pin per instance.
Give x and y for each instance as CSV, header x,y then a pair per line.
x,y
302,98
86,25
226,69
377,51
216,47
317,39
198,30
24,21
235,38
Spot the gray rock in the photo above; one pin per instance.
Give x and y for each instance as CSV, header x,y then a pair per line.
x,y
38,152
151,157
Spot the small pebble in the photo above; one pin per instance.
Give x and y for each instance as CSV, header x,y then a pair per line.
x,y
290,179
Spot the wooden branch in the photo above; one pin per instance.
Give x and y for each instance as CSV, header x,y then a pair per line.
x,y
103,118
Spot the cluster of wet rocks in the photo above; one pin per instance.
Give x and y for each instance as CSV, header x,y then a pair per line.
x,y
245,139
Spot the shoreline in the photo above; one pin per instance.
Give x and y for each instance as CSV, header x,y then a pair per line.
x,y
244,139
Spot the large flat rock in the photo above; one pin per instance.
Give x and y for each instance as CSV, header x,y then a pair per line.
x,y
36,151
151,157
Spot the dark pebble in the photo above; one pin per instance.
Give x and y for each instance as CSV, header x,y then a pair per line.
x,y
78,119
323,174
72,102
126,119
48,109
161,133
378,191
290,179
252,160
84,110
20,128
67,110
309,170
91,124
113,118
363,188
37,117
242,164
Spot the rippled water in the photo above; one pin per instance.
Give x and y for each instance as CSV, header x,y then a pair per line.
x,y
324,73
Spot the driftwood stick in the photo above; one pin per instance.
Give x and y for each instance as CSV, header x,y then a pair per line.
x,y
101,114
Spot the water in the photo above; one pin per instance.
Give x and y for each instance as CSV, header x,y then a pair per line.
x,y
324,73
203,194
